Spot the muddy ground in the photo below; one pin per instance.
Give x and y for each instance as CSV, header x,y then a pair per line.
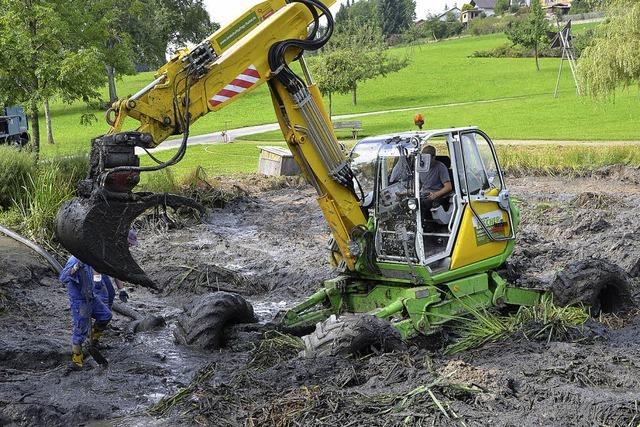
x,y
270,247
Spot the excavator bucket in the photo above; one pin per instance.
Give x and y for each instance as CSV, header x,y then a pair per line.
x,y
95,230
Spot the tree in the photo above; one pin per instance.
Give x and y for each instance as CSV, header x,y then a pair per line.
x,y
141,32
531,31
612,60
331,72
40,57
355,54
395,16
466,7
502,6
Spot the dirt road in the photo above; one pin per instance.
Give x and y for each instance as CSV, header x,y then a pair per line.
x,y
270,247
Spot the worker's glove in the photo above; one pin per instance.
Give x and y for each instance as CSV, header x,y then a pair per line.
x,y
123,295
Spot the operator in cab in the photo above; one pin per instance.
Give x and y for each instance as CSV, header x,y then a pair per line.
x,y
435,183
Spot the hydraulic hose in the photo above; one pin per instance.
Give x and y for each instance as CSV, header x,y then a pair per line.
x,y
39,249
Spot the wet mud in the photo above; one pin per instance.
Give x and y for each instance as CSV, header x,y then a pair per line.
x,y
268,245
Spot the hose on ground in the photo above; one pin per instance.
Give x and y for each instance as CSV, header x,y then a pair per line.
x,y
117,307
41,251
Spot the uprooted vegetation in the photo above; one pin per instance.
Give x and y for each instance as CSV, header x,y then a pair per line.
x,y
544,321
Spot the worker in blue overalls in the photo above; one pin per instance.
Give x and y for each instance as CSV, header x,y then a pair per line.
x,y
85,286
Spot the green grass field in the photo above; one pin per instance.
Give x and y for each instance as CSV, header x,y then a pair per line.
x,y
440,74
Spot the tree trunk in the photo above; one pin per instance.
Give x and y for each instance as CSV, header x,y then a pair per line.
x,y
47,116
354,93
535,52
330,106
111,76
35,129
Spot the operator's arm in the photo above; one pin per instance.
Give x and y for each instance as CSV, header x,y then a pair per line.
x,y
446,189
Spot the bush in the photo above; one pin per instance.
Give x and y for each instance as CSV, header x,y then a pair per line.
x,y
73,168
433,28
491,25
15,169
162,181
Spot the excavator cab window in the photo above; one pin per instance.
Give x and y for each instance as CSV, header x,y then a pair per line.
x,y
437,216
396,206
482,182
480,169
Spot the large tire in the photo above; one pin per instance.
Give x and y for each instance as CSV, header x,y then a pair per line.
x,y
203,322
352,335
595,283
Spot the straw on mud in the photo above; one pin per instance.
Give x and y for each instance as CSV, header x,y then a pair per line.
x,y
274,348
166,404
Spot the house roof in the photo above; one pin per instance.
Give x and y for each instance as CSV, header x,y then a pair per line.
x,y
484,4
454,10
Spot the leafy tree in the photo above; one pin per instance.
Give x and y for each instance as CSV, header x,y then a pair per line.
x,y
355,54
612,59
141,32
364,11
40,56
531,31
466,7
502,6
395,16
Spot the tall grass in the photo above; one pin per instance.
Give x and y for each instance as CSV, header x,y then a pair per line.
x,y
45,193
15,169
551,160
37,192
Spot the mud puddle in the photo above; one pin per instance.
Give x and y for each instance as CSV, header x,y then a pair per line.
x,y
270,247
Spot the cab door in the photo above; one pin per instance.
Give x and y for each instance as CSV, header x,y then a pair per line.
x,y
487,224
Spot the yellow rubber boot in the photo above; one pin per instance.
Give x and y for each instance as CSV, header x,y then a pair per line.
x,y
97,331
96,334
77,358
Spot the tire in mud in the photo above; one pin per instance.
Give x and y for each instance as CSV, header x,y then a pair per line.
x,y
595,283
204,320
352,335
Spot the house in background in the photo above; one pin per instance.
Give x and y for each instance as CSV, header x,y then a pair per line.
x,y
480,8
486,6
453,13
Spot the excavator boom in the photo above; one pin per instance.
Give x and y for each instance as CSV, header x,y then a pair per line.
x,y
256,48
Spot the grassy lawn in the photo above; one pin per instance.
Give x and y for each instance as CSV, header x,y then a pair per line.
x,y
538,117
217,159
440,73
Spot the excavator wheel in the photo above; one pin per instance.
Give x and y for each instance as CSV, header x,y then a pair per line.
x,y
597,284
204,320
352,335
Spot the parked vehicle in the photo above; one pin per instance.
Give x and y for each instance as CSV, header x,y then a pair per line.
x,y
14,127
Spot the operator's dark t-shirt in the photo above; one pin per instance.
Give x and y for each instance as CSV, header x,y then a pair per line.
x,y
435,179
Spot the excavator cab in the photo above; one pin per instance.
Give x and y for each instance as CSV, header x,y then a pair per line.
x,y
410,229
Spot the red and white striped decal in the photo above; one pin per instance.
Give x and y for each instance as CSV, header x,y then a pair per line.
x,y
244,81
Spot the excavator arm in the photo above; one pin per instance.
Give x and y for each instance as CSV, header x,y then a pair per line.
x,y
256,48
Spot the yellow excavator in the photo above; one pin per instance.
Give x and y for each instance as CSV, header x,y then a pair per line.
x,y
413,266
